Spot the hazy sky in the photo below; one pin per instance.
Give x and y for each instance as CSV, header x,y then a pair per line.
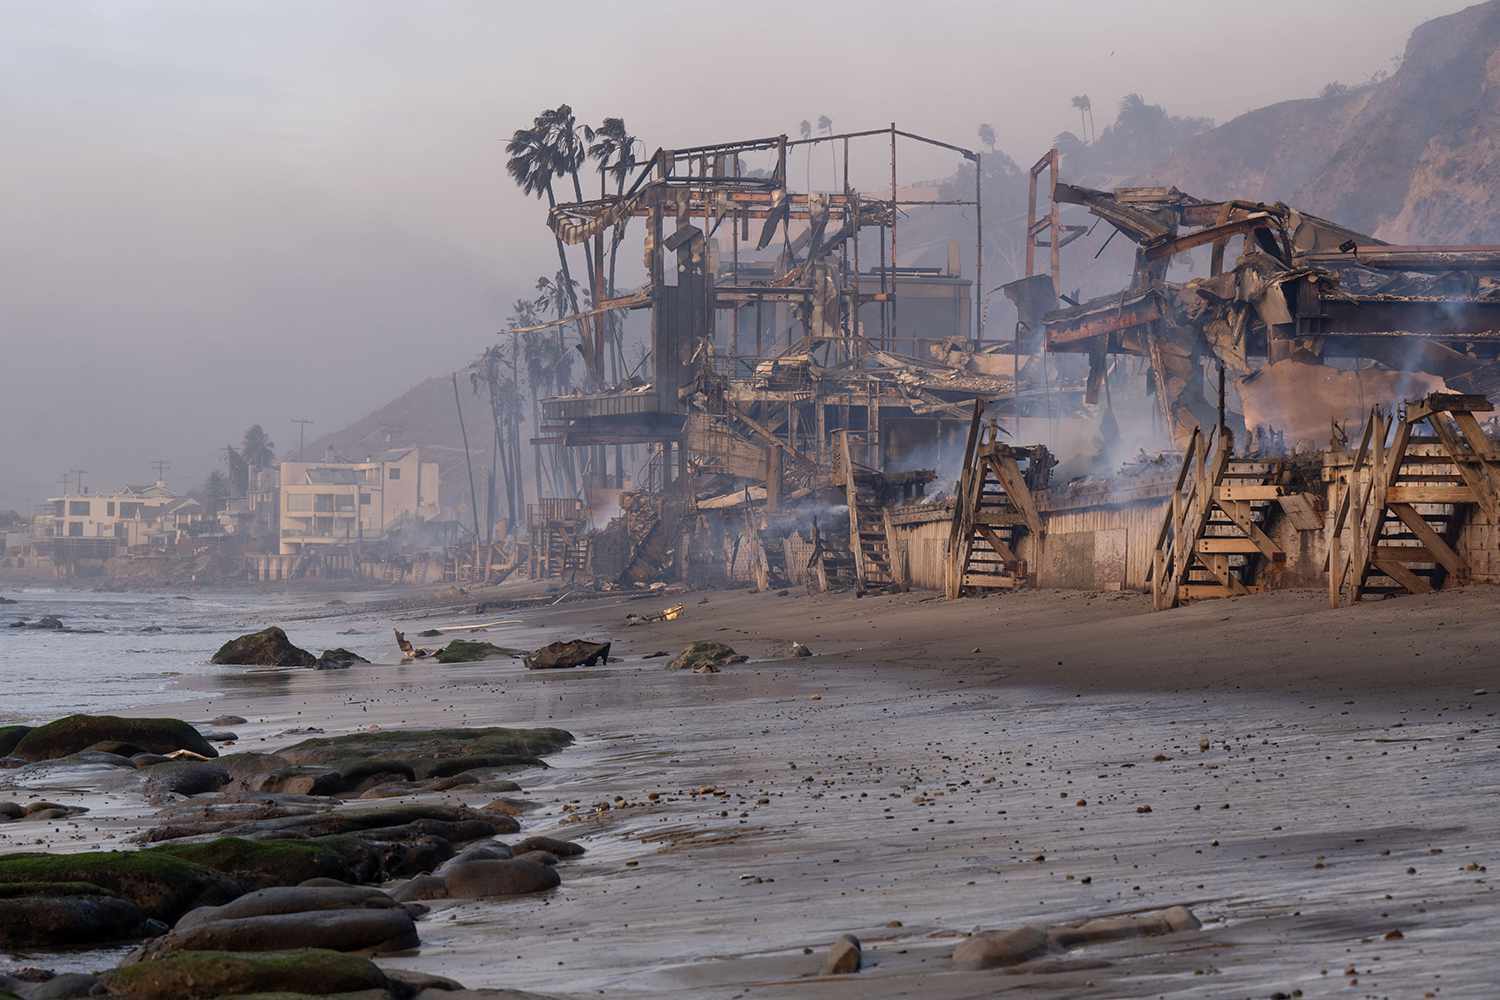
x,y
219,213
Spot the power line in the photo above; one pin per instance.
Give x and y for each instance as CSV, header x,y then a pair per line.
x,y
301,423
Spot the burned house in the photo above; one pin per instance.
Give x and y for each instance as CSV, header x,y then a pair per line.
x,y
1319,396
789,363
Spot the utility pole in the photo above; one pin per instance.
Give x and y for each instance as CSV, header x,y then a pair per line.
x,y
161,467
301,423
78,474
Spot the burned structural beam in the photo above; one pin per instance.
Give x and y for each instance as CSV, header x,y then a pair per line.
x,y
1076,329
1302,289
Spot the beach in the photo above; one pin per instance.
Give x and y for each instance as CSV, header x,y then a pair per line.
x,y
1317,786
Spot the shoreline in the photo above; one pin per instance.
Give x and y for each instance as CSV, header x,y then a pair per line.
x,y
898,775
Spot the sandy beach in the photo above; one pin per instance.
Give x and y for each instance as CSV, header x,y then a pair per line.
x,y
1307,781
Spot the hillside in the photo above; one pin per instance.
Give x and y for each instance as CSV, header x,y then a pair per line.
x,y
1413,158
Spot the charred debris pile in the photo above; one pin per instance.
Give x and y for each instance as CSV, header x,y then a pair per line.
x,y
1269,395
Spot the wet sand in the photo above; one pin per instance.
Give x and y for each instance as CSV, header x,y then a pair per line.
x,y
940,767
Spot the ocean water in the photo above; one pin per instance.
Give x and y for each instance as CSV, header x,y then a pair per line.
x,y
133,649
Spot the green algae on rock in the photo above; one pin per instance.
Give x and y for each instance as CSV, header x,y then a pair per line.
x,y
200,975
163,886
267,648
73,733
472,651
424,749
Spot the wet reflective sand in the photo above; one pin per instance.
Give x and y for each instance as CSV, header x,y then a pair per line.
x,y
902,786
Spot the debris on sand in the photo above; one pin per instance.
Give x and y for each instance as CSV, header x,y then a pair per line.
x,y
706,653
665,615
409,651
844,957
469,651
573,653
267,648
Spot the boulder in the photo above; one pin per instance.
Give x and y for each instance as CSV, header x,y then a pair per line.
x,y
79,732
202,975
10,736
482,879
1101,929
561,848
489,850
364,929
705,653
574,653
66,914
338,659
266,863
421,887
540,857
119,748
184,777
67,986
228,720
164,887
267,648
426,749
844,957
471,651
993,949
47,622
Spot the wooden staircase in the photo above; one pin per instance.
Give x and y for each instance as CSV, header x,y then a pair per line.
x,y
868,536
1213,541
994,506
832,565
1415,479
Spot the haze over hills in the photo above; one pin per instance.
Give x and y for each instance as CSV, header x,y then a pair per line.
x,y
1413,158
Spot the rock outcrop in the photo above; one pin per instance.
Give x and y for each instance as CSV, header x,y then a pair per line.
x,y
267,648
82,732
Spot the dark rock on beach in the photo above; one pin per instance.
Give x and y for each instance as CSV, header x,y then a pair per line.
x,y
574,653
471,651
67,914
338,659
162,886
706,655
81,732
10,736
267,648
201,975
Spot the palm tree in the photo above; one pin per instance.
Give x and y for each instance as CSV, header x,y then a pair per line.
x,y
613,148
1085,113
536,158
569,153
806,130
987,135
256,448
